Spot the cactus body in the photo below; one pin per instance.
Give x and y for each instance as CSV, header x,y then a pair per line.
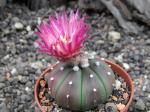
x,y
81,89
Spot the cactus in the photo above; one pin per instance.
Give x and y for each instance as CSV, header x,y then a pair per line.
x,y
81,88
80,81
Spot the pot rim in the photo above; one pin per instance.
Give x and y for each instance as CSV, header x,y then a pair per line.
x,y
115,67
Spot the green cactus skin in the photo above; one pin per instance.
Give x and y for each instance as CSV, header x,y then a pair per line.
x,y
82,89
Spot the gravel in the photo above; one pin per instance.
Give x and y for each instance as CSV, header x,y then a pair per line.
x,y
140,105
21,63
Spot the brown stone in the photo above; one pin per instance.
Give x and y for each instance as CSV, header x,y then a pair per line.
x,y
42,83
120,106
114,98
125,95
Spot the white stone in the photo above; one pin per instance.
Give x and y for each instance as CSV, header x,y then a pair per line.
x,y
84,62
18,26
97,63
75,68
28,28
91,55
119,58
144,88
19,77
36,65
117,84
6,57
114,36
14,71
126,66
39,20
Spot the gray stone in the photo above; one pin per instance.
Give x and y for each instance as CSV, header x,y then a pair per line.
x,y
110,107
103,54
94,5
143,8
2,85
15,19
3,108
25,97
140,105
29,84
2,3
2,79
23,79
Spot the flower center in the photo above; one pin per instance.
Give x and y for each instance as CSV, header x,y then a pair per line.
x,y
65,39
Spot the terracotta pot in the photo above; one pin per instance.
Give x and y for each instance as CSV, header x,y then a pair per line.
x,y
116,68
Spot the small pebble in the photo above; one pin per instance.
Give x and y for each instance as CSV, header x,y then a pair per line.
x,y
110,107
75,68
114,98
119,58
144,88
42,83
140,105
125,95
44,108
120,106
2,85
114,36
124,85
41,94
14,71
18,26
27,89
126,66
117,84
28,28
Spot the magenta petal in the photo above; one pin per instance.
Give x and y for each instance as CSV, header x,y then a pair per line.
x,y
62,36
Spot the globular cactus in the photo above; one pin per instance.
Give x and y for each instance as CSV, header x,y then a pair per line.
x,y
81,88
80,81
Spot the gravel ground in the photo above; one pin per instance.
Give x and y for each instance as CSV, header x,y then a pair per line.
x,y
20,63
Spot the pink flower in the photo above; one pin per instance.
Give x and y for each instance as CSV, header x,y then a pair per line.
x,y
62,36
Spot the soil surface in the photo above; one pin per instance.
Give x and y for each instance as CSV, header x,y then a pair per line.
x,y
21,63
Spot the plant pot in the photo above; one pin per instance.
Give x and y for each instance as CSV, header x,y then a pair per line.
x,y
116,68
